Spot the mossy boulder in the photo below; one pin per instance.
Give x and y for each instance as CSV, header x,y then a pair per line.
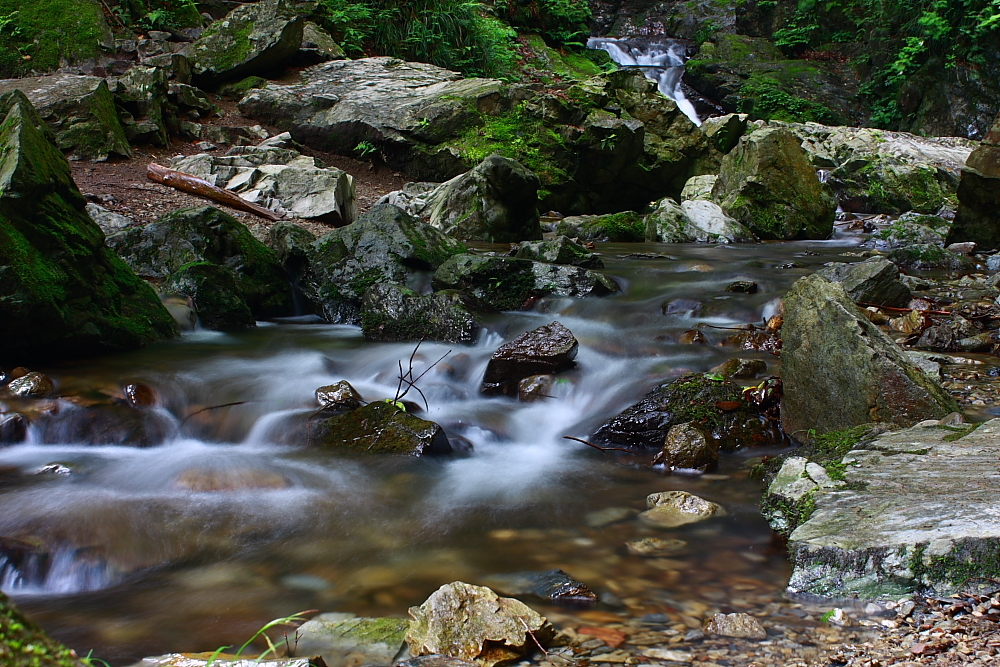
x,y
622,227
716,405
253,39
81,112
142,98
62,292
929,256
397,313
340,642
693,220
385,245
507,283
53,33
767,184
217,298
560,250
978,217
839,370
175,241
24,644
381,427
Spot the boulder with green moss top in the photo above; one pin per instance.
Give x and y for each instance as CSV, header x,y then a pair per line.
x,y
396,313
507,283
195,236
342,640
768,184
910,229
872,539
62,292
217,298
81,112
623,227
608,143
560,250
381,427
385,245
704,399
875,171
978,216
495,202
24,644
254,38
236,91
544,64
693,220
750,75
54,34
928,256
839,370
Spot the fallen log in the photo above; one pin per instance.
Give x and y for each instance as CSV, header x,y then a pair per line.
x,y
202,188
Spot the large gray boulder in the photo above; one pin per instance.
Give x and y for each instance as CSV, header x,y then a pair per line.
x,y
874,281
978,217
63,293
205,235
768,184
80,110
693,220
495,202
474,623
839,370
254,38
386,245
915,512
507,283
397,313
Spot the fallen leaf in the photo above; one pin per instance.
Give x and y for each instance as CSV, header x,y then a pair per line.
x,y
610,636
728,406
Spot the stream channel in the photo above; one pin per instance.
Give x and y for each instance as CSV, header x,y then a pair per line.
x,y
144,556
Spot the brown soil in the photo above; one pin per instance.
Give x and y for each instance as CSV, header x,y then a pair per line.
x,y
121,185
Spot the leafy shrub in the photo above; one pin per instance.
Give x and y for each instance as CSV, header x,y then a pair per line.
x,y
560,22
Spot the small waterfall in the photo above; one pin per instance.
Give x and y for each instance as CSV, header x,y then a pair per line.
x,y
661,60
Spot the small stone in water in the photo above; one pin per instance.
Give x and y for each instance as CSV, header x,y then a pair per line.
x,y
692,337
741,626
230,479
535,388
743,287
671,509
31,385
140,395
608,516
668,655
655,547
338,396
53,469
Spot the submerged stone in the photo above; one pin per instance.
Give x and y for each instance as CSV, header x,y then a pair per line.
x,y
552,586
740,626
671,509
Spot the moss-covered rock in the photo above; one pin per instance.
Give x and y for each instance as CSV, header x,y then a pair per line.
x,y
768,184
560,250
43,35
254,38
929,256
978,217
62,292
385,245
622,227
80,110
381,427
142,98
217,298
507,283
24,644
396,313
698,399
172,243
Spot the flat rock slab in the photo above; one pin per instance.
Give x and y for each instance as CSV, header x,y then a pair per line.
x,y
919,513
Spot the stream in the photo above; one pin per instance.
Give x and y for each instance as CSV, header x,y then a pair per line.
x,y
197,542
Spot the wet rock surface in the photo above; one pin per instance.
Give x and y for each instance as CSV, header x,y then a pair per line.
x,y
553,586
342,642
560,250
396,313
338,396
873,282
978,216
672,509
380,427
547,349
688,446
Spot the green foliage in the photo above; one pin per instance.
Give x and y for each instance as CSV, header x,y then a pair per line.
x,y
765,98
37,35
561,22
460,35
365,148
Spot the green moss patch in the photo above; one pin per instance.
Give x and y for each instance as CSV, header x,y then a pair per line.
x,y
38,34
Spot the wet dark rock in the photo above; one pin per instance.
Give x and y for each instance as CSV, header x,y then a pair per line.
x,y
978,216
741,368
691,398
338,396
474,623
688,446
656,547
927,257
946,336
396,313
552,586
873,282
24,644
13,428
506,283
385,245
768,184
756,340
548,349
31,385
560,250
839,370
57,279
105,425
379,428
80,110
692,337
743,287
535,387
910,229
345,642
186,244
216,296
140,395
254,38
690,307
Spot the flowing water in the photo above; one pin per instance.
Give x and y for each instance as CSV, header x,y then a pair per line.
x,y
197,541
660,59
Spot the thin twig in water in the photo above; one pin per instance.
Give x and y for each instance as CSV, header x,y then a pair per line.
x,y
603,449
213,407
